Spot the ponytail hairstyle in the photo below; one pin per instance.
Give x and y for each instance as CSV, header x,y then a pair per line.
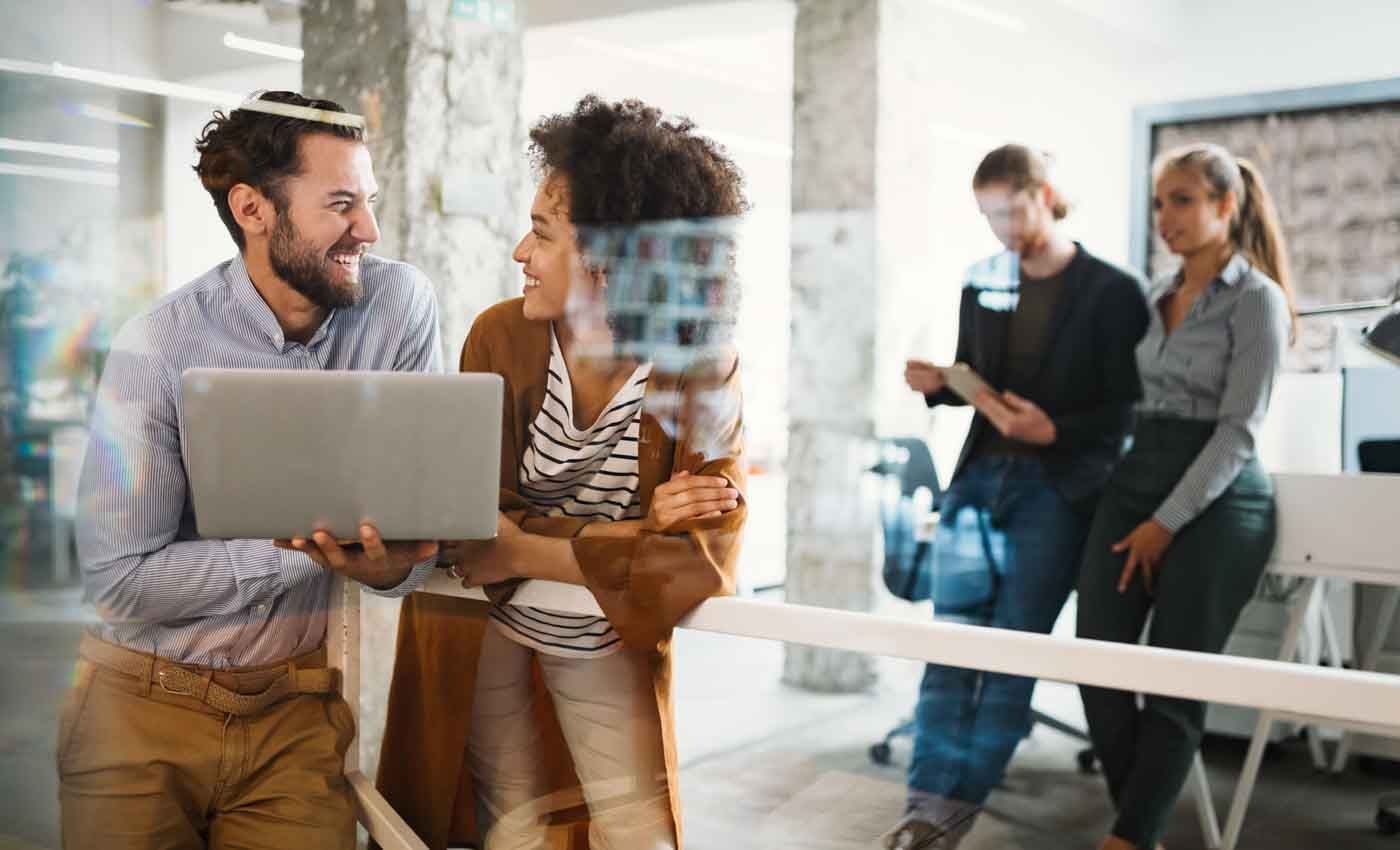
x,y
1021,168
1255,230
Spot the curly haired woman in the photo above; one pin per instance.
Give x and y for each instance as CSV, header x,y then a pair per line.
x,y
517,727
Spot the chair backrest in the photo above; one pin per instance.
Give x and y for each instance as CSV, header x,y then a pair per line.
x,y
1379,455
1338,525
918,470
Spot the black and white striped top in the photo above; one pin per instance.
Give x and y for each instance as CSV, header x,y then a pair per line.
x,y
591,472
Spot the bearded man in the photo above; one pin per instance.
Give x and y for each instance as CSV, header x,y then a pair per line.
x,y
203,712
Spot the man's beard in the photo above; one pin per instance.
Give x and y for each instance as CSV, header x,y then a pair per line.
x,y
304,269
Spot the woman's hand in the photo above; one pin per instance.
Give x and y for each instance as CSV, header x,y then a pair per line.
x,y
923,377
481,562
1144,546
688,496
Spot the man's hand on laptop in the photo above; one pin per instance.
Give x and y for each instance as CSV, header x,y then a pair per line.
x,y
370,560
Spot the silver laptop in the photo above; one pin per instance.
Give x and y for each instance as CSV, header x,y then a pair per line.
x,y
278,453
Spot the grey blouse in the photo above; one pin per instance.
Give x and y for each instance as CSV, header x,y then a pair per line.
x,y
1219,364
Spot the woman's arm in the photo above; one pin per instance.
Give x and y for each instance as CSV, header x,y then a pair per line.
x,y
516,554
646,583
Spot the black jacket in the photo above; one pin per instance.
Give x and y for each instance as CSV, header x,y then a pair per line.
x,y
1088,378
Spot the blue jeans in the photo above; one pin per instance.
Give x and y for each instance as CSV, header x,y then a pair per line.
x,y
967,722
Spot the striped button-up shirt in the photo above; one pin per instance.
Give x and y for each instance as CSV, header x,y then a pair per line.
x,y
1218,364
159,587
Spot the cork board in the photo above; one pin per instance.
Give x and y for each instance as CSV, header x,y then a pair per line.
x,y
1335,176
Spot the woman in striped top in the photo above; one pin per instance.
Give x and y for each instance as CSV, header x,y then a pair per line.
x,y
620,473
1186,524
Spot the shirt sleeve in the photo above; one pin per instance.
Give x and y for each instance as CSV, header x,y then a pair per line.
x,y
966,329
131,497
1259,330
421,348
411,583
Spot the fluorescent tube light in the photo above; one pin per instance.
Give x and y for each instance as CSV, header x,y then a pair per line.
x,y
107,155
162,88
144,84
987,16
264,48
102,113
72,175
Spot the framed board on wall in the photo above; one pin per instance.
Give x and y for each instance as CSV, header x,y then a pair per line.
x,y
1330,156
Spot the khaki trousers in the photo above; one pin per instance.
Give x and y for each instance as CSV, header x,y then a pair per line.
x,y
607,711
141,767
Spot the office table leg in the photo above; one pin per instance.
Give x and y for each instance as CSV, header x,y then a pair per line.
x,y
1302,603
1369,656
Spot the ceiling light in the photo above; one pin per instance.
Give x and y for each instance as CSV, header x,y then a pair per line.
x,y
183,92
102,113
72,175
680,64
146,85
107,155
121,81
985,15
264,48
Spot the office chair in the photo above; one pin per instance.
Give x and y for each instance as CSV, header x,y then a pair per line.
x,y
1383,456
909,459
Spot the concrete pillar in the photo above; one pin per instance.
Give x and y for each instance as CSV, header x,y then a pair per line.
x,y
439,84
860,232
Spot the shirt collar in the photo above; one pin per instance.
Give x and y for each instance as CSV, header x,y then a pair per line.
x,y
1235,270
261,314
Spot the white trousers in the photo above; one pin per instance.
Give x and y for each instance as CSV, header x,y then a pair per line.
x,y
607,712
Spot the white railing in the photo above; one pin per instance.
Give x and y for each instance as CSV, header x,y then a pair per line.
x,y
1329,525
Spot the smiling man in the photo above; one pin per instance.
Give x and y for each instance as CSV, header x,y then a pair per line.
x,y
203,712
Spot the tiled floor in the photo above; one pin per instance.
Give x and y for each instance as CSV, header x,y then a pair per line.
x,y
764,765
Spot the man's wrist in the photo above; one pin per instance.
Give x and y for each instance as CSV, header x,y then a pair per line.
x,y
393,582
399,576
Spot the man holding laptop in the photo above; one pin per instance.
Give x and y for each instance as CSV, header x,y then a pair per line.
x,y
203,710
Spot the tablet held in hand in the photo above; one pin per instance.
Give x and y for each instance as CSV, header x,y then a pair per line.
x,y
966,383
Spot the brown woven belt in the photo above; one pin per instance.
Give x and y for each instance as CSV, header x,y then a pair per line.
x,y
290,680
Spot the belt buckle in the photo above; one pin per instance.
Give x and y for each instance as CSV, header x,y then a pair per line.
x,y
161,678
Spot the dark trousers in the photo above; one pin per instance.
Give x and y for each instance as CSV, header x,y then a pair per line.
x,y
1204,580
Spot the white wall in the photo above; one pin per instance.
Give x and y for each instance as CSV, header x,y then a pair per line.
x,y
1254,45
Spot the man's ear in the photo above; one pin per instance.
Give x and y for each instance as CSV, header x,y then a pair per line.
x,y
252,210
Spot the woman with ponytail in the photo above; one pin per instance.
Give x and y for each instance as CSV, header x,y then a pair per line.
x,y
1186,523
